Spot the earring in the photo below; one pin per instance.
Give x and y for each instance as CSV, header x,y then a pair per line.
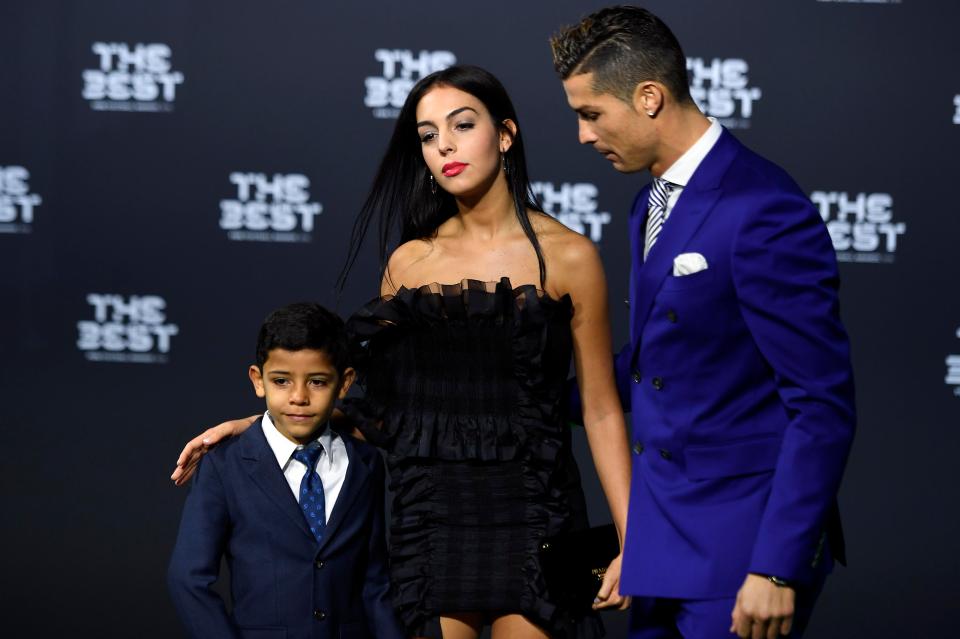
x,y
503,163
433,185
650,113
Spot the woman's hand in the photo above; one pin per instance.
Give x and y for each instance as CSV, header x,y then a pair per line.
x,y
609,595
197,447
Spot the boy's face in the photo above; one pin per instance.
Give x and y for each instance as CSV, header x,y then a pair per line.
x,y
301,388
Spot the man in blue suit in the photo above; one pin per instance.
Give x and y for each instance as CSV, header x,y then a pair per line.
x,y
738,372
296,508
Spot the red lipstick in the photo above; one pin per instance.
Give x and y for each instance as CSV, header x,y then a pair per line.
x,y
451,169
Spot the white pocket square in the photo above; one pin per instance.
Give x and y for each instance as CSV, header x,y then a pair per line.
x,y
688,264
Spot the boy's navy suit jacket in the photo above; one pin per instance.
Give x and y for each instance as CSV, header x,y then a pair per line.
x,y
284,583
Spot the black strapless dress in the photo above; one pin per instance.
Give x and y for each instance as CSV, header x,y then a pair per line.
x,y
463,386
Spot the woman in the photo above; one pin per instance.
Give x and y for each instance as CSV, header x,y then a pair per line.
x,y
466,353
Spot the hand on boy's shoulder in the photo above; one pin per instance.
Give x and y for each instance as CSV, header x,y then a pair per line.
x,y
356,435
231,446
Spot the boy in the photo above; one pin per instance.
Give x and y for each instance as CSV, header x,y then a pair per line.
x,y
296,508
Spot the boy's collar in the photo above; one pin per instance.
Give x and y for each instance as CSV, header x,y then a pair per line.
x,y
282,447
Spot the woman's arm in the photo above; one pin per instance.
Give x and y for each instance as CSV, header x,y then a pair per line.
x,y
577,270
199,445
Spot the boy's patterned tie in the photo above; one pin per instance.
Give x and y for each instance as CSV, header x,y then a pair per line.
x,y
312,500
659,195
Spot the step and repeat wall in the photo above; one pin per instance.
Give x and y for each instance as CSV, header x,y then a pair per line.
x,y
172,171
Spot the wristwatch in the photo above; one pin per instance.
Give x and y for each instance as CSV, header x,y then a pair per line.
x,y
777,581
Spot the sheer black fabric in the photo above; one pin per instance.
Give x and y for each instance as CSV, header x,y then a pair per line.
x,y
463,384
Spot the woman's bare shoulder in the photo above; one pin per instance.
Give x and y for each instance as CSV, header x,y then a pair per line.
x,y
561,245
402,265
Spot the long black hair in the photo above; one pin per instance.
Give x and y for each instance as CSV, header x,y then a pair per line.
x,y
401,197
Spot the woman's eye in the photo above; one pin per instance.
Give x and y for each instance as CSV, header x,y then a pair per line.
x,y
426,137
463,126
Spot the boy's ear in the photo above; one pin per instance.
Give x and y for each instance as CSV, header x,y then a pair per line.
x,y
346,381
257,378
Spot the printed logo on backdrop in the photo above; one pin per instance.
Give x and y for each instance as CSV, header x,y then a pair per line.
x,y
17,203
269,209
131,78
721,88
399,71
130,329
953,371
575,205
861,225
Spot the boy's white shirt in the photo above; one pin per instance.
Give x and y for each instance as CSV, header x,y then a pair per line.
x,y
331,466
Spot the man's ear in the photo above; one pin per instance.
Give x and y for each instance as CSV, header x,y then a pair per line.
x,y
346,381
256,377
507,133
648,98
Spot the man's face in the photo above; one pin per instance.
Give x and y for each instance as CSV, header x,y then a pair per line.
x,y
626,137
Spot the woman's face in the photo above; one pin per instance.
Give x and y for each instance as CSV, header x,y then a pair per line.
x,y
460,142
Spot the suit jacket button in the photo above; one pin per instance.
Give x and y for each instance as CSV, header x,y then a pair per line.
x,y
657,383
672,316
636,377
665,454
319,615
637,447
319,563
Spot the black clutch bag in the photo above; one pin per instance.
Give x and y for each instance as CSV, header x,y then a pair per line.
x,y
574,564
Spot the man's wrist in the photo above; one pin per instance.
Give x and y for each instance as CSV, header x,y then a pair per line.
x,y
779,581
776,580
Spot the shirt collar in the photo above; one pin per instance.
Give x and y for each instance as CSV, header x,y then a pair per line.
x,y
682,170
283,448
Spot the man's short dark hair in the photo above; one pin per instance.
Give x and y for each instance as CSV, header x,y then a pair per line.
x,y
304,325
622,46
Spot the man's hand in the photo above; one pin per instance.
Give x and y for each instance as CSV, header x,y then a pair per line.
x,y
609,595
197,447
763,610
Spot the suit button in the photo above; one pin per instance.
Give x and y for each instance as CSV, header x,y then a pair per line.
x,y
657,383
665,454
319,615
672,316
319,563
636,377
637,447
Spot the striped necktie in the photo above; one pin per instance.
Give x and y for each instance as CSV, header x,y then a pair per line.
x,y
312,500
657,214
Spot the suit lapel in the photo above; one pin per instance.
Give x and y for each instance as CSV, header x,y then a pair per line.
x,y
638,222
261,464
358,474
688,214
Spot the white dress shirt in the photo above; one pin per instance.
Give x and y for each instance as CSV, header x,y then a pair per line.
x,y
331,466
682,170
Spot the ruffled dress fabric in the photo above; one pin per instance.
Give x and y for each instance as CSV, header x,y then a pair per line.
x,y
463,385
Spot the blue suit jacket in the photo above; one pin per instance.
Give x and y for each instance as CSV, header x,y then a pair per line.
x,y
284,584
740,386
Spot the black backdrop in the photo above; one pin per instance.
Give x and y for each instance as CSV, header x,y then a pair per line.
x,y
171,171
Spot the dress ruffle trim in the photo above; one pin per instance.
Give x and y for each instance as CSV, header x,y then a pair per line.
x,y
521,315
